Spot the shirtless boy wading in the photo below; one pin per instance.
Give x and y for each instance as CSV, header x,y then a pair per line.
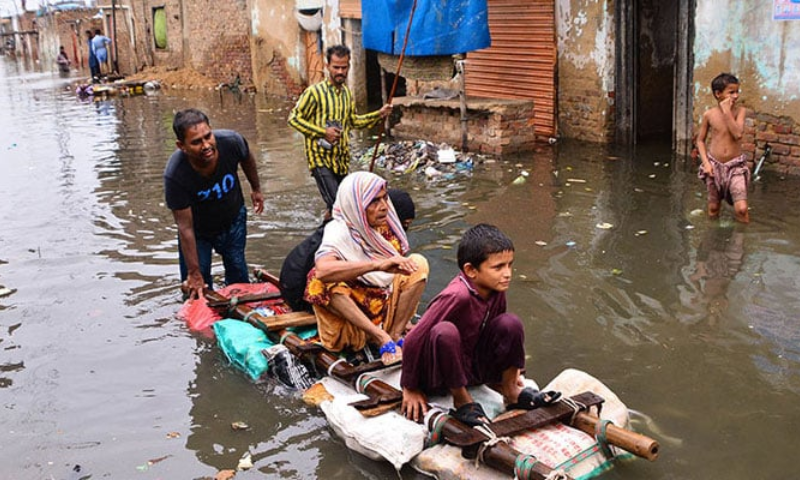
x,y
724,167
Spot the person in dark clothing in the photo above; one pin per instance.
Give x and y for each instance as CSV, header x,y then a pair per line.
x,y
300,260
467,338
202,188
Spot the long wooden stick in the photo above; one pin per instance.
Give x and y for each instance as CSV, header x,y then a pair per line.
x,y
394,83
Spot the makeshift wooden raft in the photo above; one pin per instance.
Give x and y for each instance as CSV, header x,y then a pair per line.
x,y
443,439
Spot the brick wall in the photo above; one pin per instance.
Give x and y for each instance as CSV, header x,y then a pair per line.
x,y
494,126
283,84
782,133
219,39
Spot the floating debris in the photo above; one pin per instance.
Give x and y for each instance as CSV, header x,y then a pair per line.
x,y
652,175
616,272
5,291
408,156
604,225
519,180
246,462
447,155
240,426
540,243
638,190
697,212
689,227
640,233
570,243
173,435
576,180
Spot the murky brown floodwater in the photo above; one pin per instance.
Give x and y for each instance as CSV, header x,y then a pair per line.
x,y
691,322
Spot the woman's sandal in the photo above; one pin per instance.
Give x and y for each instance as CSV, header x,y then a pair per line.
x,y
391,353
470,414
530,398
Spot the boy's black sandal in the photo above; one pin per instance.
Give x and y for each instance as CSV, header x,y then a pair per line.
x,y
530,398
470,414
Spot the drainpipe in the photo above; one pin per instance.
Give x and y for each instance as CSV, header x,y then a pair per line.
x,y
114,34
461,68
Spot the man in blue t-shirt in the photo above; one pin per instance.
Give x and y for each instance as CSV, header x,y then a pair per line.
x,y
202,188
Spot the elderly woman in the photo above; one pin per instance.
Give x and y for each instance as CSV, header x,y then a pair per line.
x,y
363,288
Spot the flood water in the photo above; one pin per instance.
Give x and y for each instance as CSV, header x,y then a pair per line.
x,y
693,323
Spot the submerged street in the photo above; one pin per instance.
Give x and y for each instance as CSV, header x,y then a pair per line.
x,y
692,323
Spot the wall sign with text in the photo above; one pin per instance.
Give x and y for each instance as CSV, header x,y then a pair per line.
x,y
786,10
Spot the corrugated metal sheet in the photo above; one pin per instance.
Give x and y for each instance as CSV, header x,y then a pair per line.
x,y
350,9
521,63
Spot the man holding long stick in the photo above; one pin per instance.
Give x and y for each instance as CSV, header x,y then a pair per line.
x,y
325,113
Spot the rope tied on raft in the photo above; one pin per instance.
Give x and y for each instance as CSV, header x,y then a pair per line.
x,y
523,466
436,436
491,441
524,469
333,365
363,381
576,407
247,315
602,440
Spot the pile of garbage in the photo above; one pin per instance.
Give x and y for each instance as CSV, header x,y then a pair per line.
x,y
421,156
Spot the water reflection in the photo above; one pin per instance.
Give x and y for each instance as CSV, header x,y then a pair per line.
x,y
719,259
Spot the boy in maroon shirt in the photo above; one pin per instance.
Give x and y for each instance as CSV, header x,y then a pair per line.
x,y
467,338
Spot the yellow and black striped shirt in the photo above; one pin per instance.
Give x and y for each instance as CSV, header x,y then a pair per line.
x,y
318,104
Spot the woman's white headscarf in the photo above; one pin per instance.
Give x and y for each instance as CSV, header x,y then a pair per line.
x,y
349,235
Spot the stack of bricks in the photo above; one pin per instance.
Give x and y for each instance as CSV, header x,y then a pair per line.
x,y
781,133
494,127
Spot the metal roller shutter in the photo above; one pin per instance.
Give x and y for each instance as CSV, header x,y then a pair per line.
x,y
521,63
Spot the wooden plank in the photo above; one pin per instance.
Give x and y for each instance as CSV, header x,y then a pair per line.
x,y
286,320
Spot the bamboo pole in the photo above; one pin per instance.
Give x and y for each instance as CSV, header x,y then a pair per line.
x,y
394,83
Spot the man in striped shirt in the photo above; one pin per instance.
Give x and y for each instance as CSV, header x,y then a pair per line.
x,y
325,113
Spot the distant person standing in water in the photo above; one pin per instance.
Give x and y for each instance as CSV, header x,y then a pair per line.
x,y
202,188
724,167
325,113
63,61
94,66
99,43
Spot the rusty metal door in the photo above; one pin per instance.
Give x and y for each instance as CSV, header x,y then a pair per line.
x,y
521,62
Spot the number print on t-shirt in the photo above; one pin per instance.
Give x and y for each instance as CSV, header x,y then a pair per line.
x,y
218,190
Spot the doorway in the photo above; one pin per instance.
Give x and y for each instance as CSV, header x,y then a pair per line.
x,y
654,72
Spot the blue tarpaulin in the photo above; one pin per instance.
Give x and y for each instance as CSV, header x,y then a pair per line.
x,y
440,27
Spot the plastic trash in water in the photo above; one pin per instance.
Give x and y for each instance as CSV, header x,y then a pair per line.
x,y
570,243
447,155
467,165
432,172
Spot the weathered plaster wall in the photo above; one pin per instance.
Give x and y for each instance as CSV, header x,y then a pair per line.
x,y
585,30
280,55
147,54
740,37
277,50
